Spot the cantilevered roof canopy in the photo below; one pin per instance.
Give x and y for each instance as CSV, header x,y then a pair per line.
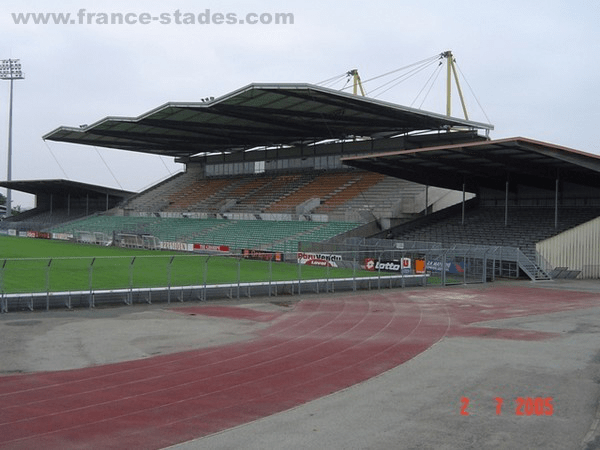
x,y
257,115
488,164
64,188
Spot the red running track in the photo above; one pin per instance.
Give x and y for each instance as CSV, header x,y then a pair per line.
x,y
319,347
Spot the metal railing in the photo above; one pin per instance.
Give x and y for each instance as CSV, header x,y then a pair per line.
x,y
45,283
500,261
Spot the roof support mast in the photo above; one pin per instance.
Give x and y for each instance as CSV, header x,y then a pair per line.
x,y
357,82
452,71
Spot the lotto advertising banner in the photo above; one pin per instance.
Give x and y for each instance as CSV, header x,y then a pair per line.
x,y
319,259
402,266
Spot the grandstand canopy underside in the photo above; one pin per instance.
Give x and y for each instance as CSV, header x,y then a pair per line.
x,y
258,115
489,164
63,188
60,193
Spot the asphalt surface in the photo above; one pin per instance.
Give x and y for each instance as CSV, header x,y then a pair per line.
x,y
417,405
517,366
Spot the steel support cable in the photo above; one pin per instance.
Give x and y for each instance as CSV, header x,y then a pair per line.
x,y
56,160
401,78
111,172
406,75
332,84
345,84
420,64
431,82
166,167
425,85
332,80
472,92
424,61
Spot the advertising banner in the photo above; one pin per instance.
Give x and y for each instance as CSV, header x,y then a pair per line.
x,y
211,248
402,266
177,246
39,235
263,256
450,267
62,236
319,259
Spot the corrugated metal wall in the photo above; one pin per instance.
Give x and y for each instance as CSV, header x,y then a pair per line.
x,y
577,249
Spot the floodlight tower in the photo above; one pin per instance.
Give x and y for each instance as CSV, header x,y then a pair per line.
x,y
10,69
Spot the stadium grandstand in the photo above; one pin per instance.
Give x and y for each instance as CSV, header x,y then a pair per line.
x,y
271,166
267,153
527,194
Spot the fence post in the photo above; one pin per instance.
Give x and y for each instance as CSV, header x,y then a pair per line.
x,y
91,272
425,268
299,276
169,268
327,283
354,273
484,275
48,285
205,276
270,274
444,267
239,268
402,256
379,271
131,280
3,306
465,267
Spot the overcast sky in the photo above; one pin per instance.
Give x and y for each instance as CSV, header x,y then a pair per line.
x,y
532,65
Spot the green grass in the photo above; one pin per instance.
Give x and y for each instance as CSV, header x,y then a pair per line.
x,y
13,247
37,265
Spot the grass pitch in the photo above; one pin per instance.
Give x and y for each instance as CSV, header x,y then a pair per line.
x,y
37,265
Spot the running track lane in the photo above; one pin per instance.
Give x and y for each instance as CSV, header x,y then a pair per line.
x,y
317,348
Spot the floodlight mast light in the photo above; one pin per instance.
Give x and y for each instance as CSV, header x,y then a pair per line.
x,y
10,69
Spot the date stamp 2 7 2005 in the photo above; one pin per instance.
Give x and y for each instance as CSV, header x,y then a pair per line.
x,y
524,406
